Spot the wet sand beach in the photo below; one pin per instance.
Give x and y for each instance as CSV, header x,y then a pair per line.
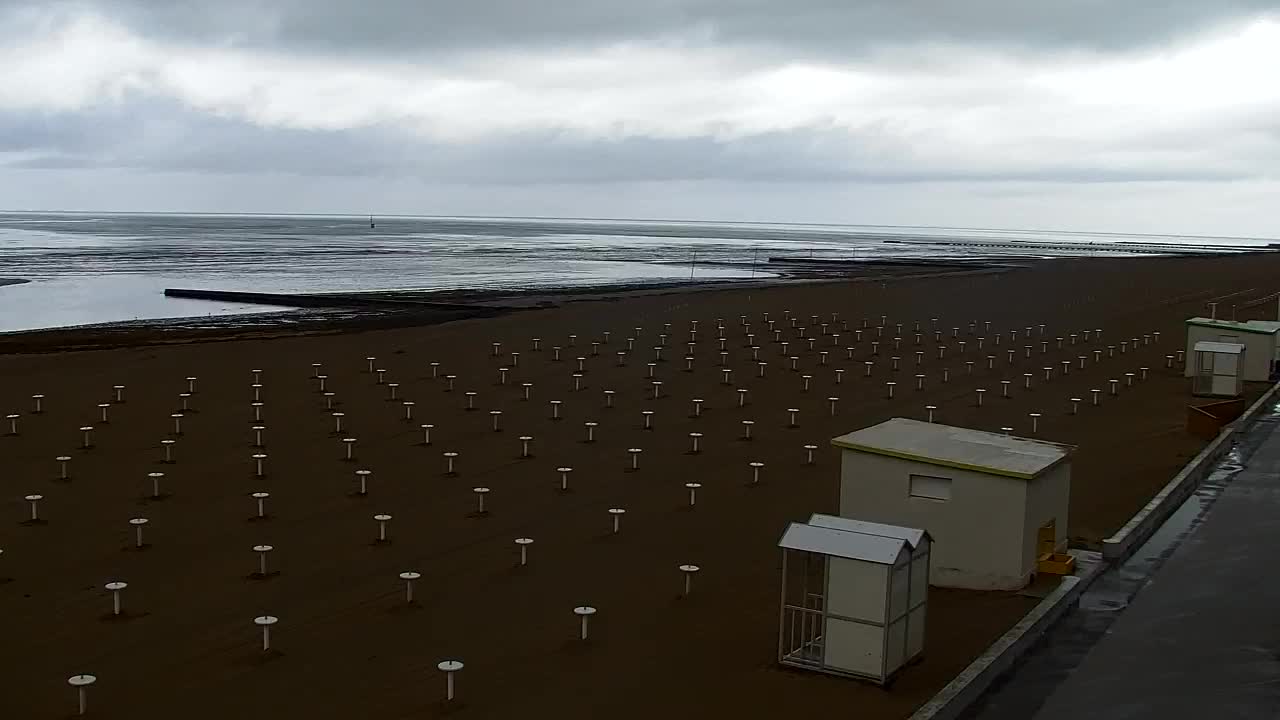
x,y
347,645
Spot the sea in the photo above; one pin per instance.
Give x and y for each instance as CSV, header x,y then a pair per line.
x,y
94,268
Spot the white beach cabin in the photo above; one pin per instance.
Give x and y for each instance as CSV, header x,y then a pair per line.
x,y
1217,369
994,504
1260,339
854,597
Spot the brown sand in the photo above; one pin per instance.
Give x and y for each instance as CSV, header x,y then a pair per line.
x,y
349,647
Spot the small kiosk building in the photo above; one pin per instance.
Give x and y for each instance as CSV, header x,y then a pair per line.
x,y
995,505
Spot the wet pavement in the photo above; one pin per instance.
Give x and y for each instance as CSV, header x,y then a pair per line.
x,y
1183,629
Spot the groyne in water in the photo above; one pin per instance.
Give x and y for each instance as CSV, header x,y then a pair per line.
x,y
385,300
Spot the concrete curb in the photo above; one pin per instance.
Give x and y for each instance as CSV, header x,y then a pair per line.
x,y
974,680
1268,398
1120,546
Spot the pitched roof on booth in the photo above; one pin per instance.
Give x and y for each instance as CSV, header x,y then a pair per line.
x,y
842,543
956,447
913,536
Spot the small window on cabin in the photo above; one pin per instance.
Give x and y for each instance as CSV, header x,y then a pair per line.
x,y
930,487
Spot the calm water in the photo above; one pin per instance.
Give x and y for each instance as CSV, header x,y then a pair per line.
x,y
106,268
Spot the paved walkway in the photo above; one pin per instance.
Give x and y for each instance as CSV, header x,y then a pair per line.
x,y
1202,640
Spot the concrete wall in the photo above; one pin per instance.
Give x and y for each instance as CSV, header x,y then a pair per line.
x,y
978,535
1259,349
1048,498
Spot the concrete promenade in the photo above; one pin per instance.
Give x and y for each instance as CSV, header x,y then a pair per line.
x,y
1201,639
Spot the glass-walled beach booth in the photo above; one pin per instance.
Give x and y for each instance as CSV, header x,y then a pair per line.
x,y
1217,369
854,597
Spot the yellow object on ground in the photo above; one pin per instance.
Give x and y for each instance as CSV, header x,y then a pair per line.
x,y
1056,564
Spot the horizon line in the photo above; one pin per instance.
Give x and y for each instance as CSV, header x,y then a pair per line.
x,y
635,220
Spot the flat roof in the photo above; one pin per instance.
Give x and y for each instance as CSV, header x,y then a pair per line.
x,y
1271,325
1218,347
1258,327
913,536
956,447
841,543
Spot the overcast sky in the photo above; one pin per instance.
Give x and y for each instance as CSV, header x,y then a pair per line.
x,y
1124,115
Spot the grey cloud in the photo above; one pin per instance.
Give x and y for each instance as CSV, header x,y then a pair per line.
x,y
63,133
796,27
149,151
162,137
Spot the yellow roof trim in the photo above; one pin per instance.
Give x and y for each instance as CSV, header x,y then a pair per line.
x,y
936,461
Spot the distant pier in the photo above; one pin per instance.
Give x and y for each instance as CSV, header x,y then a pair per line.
x,y
1112,248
